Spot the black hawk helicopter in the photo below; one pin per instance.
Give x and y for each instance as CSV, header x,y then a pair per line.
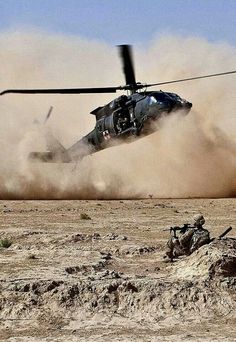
x,y
125,117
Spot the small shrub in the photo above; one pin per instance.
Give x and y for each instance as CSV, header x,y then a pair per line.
x,y
5,243
84,216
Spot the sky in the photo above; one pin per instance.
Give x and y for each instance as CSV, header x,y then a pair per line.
x,y
123,21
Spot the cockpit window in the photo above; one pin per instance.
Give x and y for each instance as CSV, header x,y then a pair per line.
x,y
160,96
174,96
152,100
163,96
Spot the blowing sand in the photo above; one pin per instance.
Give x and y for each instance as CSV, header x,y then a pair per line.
x,y
190,156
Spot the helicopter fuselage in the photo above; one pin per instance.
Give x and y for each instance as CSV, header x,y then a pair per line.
x,y
127,117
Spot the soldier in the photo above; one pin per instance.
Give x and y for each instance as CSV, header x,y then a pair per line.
x,y
201,236
189,240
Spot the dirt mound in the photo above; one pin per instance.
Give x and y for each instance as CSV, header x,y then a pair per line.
x,y
195,284
216,259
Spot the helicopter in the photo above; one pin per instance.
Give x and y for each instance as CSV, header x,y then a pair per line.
x,y
121,120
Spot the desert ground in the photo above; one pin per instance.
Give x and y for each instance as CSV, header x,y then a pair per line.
x,y
94,271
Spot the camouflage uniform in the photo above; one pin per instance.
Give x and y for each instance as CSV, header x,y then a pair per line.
x,y
189,241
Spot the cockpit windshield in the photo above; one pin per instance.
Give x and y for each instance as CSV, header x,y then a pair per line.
x,y
174,96
163,96
159,96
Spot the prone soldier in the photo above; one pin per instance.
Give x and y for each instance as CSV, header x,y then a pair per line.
x,y
189,240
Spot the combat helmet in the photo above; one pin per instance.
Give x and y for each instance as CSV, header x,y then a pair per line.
x,y
199,219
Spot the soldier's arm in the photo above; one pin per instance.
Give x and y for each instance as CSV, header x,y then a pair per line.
x,y
186,237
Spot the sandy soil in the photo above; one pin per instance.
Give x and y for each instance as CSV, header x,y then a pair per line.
x,y
102,279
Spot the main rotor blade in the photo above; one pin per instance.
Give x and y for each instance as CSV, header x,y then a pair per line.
x,y
62,91
192,78
128,86
128,65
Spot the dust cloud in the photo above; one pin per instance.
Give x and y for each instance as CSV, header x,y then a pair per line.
x,y
189,156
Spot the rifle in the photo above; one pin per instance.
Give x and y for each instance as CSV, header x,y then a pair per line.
x,y
181,229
